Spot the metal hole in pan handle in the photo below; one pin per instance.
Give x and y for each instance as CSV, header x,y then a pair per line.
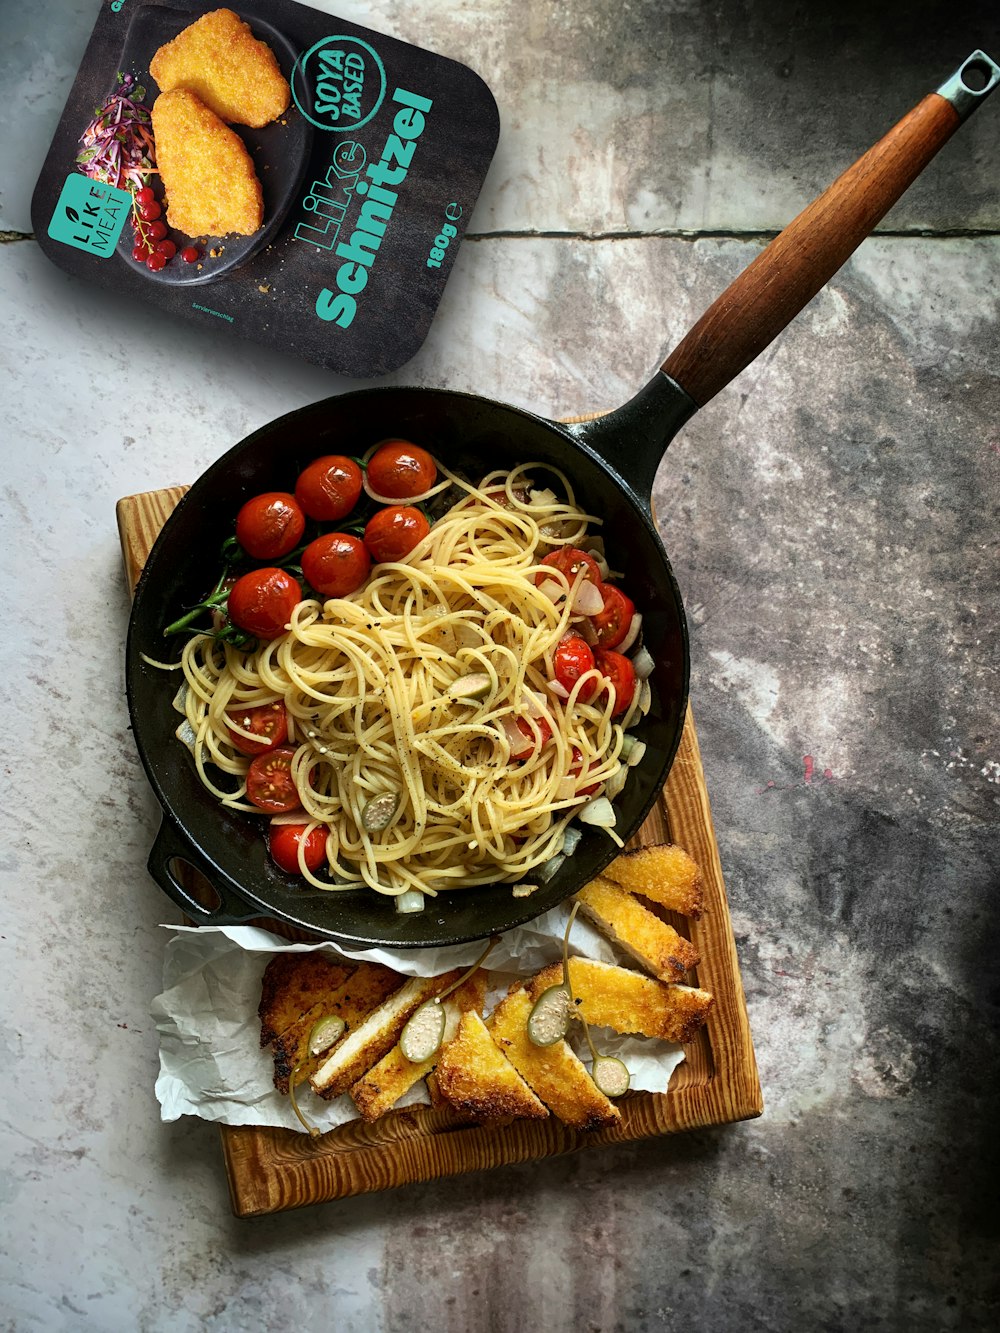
x,y
974,79
192,882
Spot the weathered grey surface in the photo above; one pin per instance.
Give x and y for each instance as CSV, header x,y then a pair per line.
x,y
832,519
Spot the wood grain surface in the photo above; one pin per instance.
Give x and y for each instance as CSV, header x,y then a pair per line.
x,y
271,1169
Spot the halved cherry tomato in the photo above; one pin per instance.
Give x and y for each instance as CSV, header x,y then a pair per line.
x,y
328,488
575,769
391,534
524,727
400,470
284,842
611,624
268,721
570,660
262,602
269,781
621,673
569,560
270,525
336,564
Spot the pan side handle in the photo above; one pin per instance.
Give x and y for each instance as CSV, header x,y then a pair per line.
x,y
784,277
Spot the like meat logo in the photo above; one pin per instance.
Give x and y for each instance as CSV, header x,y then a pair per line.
x,y
90,215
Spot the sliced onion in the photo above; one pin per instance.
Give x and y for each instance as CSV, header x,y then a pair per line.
x,y
524,890
550,868
520,745
645,698
587,599
588,632
292,817
636,754
635,625
410,901
616,783
185,733
552,589
643,664
540,499
560,691
571,841
599,812
566,789
180,698
534,704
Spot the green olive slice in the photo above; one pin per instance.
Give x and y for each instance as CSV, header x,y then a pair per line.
x,y
548,1021
424,1032
325,1033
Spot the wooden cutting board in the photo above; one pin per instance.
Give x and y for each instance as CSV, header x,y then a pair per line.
x,y
273,1169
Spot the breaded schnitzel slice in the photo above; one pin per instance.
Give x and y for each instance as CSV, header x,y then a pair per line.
x,y
377,1034
477,1079
553,1072
353,1001
209,178
614,997
292,983
650,941
665,874
219,59
381,1088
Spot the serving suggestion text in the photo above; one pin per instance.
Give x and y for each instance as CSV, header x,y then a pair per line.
x,y
330,199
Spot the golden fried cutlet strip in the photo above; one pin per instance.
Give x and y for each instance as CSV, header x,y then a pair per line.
x,y
381,1088
640,932
292,983
209,178
375,1035
219,59
363,991
614,997
477,1079
666,875
552,1072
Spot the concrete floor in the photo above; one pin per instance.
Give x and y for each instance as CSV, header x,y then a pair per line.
x,y
832,519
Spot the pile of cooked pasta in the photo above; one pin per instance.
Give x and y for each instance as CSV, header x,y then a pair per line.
x,y
416,697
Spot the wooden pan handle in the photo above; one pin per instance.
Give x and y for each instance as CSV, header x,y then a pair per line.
x,y
753,310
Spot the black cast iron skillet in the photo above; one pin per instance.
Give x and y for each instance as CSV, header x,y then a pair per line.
x,y
611,462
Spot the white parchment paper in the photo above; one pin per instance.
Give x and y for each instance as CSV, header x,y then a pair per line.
x,y
211,1062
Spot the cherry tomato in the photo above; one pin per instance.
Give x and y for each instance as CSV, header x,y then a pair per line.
x,y
336,564
611,625
190,254
328,488
262,602
156,261
575,769
392,534
270,525
569,560
400,470
284,842
157,230
524,727
149,211
571,659
145,195
269,781
621,673
268,721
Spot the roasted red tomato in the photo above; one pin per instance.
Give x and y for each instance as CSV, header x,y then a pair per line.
x,y
269,781
570,560
284,842
336,564
575,769
392,534
262,602
270,525
328,489
620,672
268,721
570,660
524,727
400,470
611,624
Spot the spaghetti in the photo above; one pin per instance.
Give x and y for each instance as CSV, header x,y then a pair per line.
x,y
428,697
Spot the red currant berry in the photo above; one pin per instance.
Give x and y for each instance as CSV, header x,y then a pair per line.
x,y
140,253
145,195
166,248
190,254
157,230
156,262
150,212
